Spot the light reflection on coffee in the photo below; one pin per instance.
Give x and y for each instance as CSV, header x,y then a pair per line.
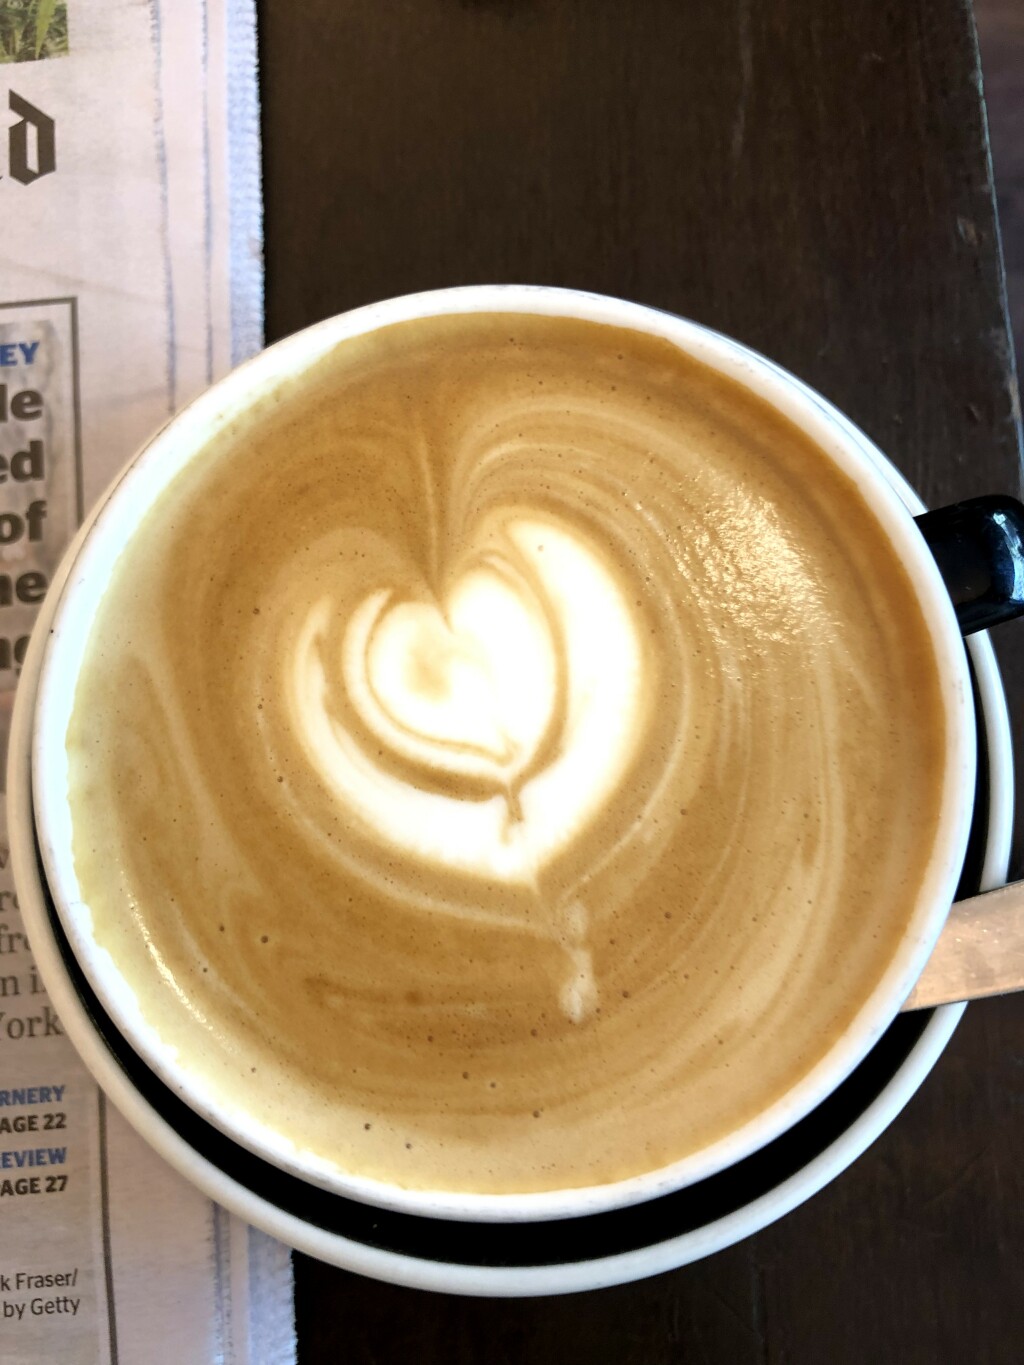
x,y
506,758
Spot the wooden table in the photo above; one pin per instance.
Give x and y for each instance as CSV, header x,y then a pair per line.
x,y
813,179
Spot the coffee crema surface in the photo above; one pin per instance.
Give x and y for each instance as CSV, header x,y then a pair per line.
x,y
506,758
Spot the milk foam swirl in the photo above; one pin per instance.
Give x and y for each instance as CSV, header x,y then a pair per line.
x,y
473,699
483,730
477,711
496,744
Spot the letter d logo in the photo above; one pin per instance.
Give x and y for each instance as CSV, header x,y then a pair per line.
x,y
24,166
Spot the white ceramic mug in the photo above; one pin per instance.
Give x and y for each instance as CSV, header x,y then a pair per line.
x,y
142,483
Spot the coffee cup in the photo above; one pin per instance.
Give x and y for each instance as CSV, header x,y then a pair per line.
x,y
590,663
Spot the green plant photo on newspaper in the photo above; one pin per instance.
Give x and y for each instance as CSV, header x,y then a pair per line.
x,y
33,30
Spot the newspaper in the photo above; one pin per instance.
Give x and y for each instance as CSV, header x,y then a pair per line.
x,y
130,279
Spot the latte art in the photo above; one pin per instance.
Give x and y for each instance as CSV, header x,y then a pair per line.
x,y
488,747
481,731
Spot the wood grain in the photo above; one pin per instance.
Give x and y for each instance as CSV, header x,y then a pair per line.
x,y
812,179
1001,37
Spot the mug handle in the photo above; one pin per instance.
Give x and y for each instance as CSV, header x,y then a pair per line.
x,y
979,548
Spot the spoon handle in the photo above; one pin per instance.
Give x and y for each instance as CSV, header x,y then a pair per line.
x,y
980,951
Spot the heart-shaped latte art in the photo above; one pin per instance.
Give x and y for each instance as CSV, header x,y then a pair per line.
x,y
482,731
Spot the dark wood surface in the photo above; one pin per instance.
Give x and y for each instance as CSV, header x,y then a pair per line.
x,y
1001,37
812,179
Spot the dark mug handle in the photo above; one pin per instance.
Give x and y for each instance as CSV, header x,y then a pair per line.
x,y
979,548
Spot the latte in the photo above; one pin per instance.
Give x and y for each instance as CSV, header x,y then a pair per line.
x,y
506,757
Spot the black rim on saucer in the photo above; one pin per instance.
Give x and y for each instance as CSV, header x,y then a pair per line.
x,y
560,1241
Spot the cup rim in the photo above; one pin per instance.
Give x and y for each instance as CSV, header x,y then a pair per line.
x,y
143,480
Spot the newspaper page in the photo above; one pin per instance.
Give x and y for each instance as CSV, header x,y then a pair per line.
x,y
130,279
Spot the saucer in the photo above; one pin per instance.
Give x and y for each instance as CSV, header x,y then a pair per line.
x,y
561,1256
